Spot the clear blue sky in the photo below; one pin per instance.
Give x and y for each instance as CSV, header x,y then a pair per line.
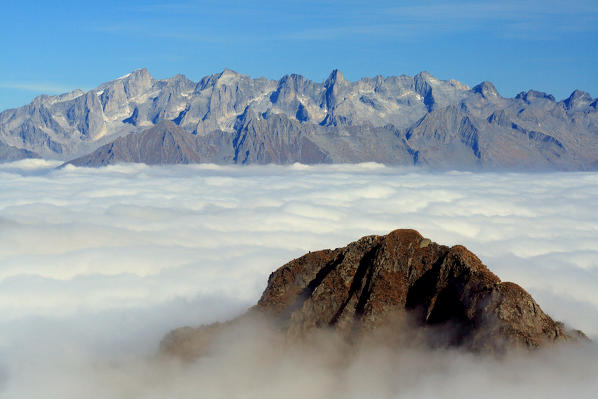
x,y
56,46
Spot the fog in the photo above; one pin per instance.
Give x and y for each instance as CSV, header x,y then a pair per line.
x,y
96,265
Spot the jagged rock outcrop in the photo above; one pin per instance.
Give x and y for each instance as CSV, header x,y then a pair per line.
x,y
486,90
440,124
395,286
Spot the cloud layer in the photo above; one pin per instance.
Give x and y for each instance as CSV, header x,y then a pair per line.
x,y
97,264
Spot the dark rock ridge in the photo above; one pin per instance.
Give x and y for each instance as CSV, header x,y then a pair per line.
x,y
398,285
397,120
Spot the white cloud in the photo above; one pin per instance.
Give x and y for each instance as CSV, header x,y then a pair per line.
x,y
97,264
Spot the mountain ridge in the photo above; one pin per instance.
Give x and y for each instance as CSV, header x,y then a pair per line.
x,y
445,123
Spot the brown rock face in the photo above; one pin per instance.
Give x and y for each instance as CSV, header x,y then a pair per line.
x,y
400,286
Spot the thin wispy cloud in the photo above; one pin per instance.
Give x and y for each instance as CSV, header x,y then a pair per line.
x,y
516,10
335,33
148,29
186,7
408,20
44,87
527,19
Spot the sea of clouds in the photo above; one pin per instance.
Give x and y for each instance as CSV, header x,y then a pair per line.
x,y
96,265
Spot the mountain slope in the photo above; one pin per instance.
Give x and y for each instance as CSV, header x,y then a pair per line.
x,y
165,143
9,153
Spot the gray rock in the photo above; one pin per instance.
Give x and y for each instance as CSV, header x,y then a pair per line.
x,y
486,90
399,120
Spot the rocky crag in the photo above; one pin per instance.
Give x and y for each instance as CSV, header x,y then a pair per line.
x,y
401,288
396,120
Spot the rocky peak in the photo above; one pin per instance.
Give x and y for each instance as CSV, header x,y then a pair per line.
x,y
40,100
577,99
424,75
461,86
532,95
397,284
288,88
336,76
486,90
335,86
423,81
139,76
422,86
180,79
178,84
137,82
164,129
293,80
227,76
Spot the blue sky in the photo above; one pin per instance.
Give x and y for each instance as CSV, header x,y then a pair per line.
x,y
53,47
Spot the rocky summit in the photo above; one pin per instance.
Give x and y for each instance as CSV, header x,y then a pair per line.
x,y
229,118
401,288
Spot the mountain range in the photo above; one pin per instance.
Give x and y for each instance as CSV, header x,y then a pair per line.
x,y
231,118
